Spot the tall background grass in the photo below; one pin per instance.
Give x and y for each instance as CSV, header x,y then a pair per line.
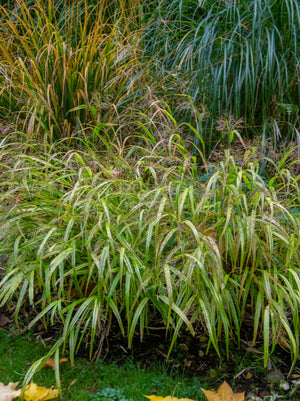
x,y
235,59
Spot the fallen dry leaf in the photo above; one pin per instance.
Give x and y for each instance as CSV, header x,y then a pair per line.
x,y
4,320
72,382
169,398
9,392
51,364
34,392
224,393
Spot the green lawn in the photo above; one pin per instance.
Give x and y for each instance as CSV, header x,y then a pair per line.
x,y
92,381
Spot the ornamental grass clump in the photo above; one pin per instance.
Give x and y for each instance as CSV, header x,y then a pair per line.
x,y
54,58
237,58
91,244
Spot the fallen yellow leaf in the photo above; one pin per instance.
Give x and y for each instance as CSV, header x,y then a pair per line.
x,y
168,398
9,392
34,392
224,393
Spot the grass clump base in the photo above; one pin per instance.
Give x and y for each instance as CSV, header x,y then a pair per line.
x,y
125,378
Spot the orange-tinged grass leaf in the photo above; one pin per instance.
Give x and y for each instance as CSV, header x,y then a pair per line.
x,y
51,363
9,392
224,393
33,392
169,398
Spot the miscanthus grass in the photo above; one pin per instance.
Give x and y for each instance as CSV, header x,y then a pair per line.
x,y
234,58
55,57
66,64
